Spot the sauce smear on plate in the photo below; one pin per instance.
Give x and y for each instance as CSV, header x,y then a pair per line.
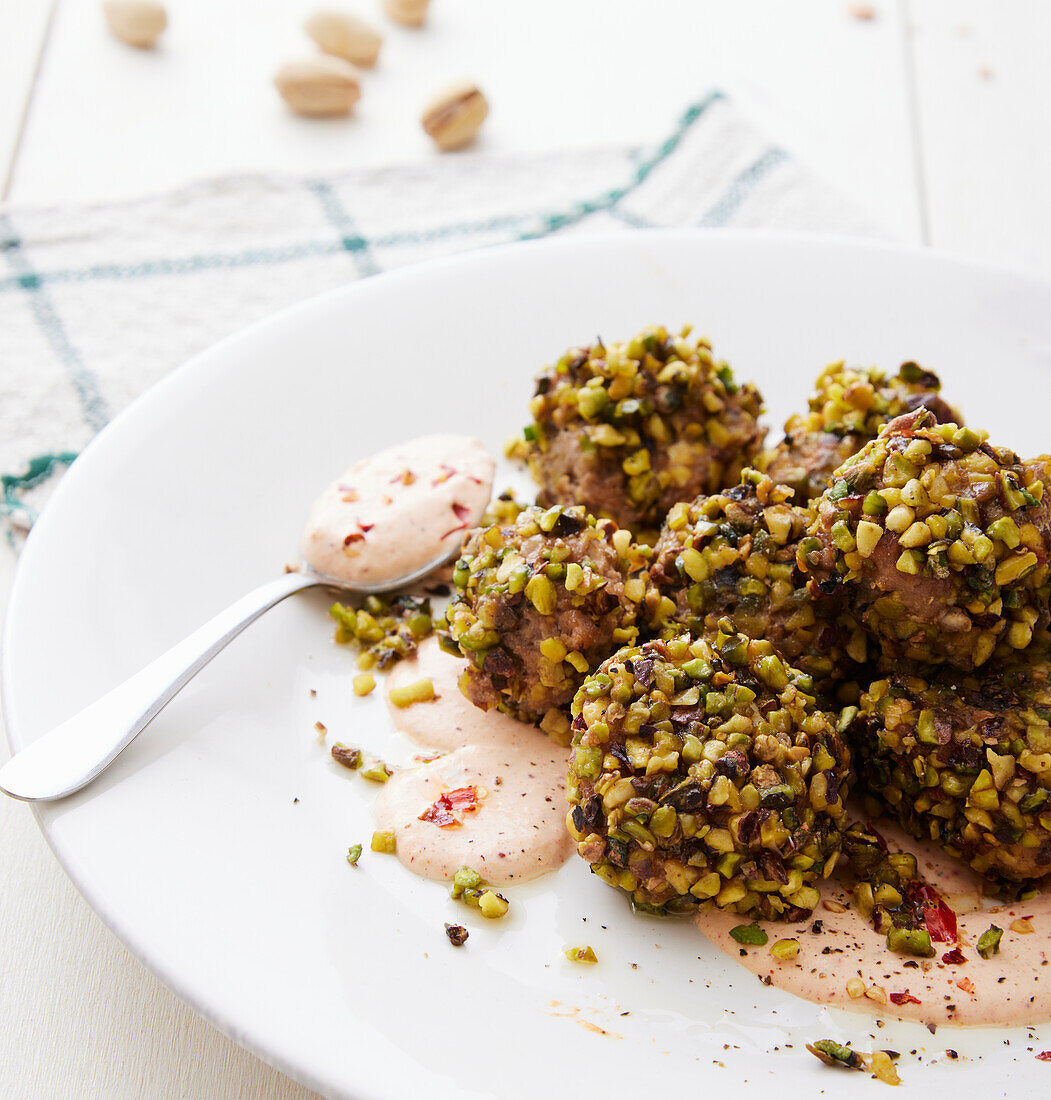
x,y
1010,987
518,830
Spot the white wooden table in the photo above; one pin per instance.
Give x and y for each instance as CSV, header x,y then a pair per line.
x,y
933,115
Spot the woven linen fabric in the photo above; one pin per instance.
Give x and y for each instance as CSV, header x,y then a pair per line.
x,y
98,302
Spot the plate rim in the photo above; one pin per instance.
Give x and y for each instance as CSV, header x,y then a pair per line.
x,y
183,374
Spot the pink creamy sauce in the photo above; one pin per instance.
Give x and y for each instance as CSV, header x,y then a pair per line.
x,y
452,721
518,831
390,515
1013,987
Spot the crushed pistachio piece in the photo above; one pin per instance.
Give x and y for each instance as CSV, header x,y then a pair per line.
x,y
581,954
419,691
346,755
384,841
988,943
364,682
750,934
376,772
832,1053
492,905
457,934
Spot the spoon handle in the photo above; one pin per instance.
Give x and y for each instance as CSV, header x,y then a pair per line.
x,y
71,755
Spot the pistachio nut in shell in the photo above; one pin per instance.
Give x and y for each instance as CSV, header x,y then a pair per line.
x,y
319,87
410,13
137,22
344,35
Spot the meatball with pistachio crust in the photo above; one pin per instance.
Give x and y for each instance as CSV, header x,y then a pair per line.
x,y
704,774
964,759
734,554
848,408
541,601
940,540
630,429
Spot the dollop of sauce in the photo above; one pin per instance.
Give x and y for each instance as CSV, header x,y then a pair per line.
x,y
390,515
518,831
452,720
1011,987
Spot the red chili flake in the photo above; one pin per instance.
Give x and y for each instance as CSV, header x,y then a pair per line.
x,y
354,536
440,813
904,999
446,473
463,799
463,514
941,922
365,526
966,985
1044,1056
955,956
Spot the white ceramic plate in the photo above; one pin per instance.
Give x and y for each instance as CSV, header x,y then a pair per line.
x,y
192,847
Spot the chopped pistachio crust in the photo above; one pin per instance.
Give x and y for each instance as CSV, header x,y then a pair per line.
x,y
734,554
848,408
704,775
629,429
540,602
964,759
941,540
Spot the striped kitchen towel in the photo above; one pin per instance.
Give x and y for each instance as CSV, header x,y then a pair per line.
x,y
98,302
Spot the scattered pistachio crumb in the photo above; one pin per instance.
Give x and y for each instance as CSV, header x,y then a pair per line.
x,y
855,988
785,950
346,755
989,942
1023,926
384,841
469,887
581,954
420,691
457,934
492,905
832,1053
376,771
882,1067
364,682
750,934
353,854
320,729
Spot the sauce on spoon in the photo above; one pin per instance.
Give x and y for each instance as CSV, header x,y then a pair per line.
x,y
387,516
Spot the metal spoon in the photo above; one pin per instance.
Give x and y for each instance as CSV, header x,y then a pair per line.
x,y
71,755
